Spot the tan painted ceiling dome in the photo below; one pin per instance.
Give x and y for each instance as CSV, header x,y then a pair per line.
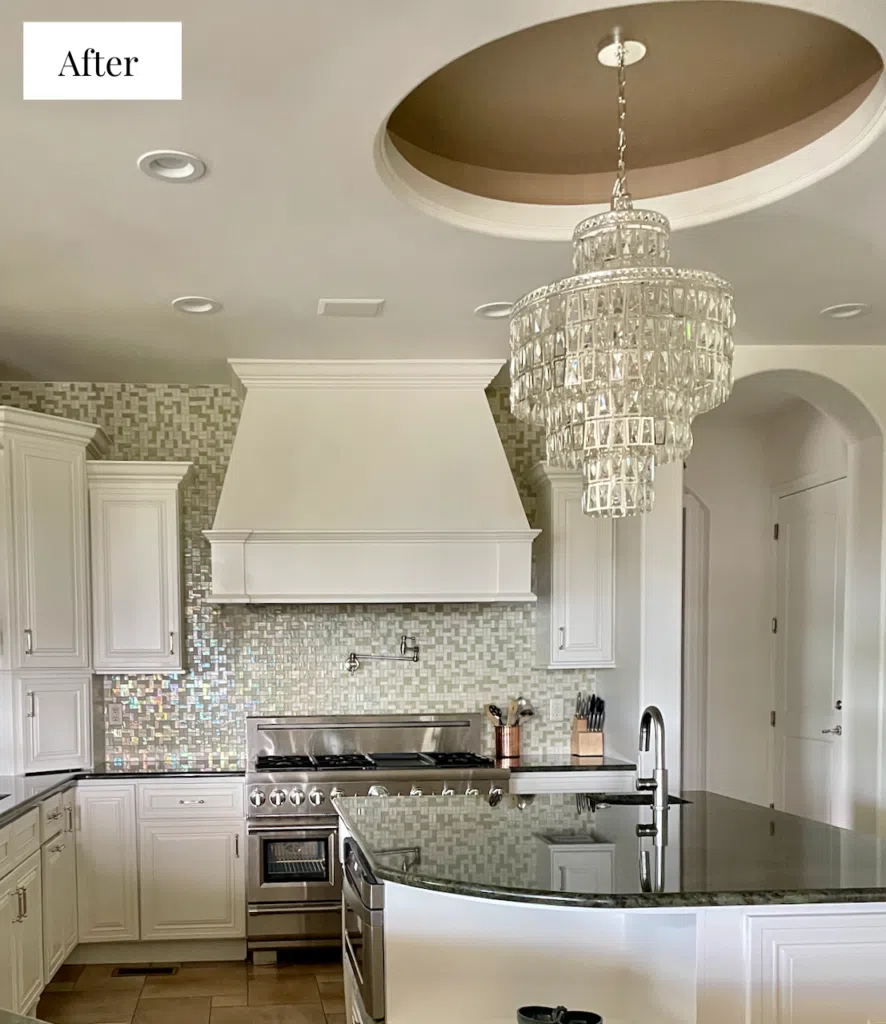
x,y
725,87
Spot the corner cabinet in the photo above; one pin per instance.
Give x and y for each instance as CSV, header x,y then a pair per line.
x,y
56,712
136,566
575,576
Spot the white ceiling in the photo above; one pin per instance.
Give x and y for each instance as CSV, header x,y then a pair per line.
x,y
284,100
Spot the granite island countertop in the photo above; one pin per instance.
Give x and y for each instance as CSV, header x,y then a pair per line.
x,y
566,763
719,851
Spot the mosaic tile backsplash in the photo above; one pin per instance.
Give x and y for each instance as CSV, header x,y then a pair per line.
x,y
289,659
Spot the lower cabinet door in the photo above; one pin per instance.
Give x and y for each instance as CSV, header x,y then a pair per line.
x,y
192,880
107,867
56,722
9,906
59,902
28,935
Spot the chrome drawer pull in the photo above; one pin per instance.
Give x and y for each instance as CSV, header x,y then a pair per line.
x,y
29,641
192,801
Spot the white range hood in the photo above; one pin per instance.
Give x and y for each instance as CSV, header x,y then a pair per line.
x,y
368,481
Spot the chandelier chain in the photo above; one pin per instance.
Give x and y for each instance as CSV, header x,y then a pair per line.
x,y
621,198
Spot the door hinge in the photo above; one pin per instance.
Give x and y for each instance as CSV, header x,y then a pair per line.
x,y
772,719
774,625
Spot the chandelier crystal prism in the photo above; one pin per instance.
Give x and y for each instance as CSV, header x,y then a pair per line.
x,y
616,361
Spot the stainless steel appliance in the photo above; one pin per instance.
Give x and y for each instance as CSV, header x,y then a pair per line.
x,y
363,902
297,766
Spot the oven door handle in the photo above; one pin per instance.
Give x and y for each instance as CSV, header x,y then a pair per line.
x,y
290,908
254,829
353,903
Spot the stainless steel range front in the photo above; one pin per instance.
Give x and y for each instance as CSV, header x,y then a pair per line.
x,y
297,766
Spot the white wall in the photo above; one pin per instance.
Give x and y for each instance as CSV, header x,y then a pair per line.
x,y
734,466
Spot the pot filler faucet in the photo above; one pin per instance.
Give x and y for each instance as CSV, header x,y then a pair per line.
x,y
649,720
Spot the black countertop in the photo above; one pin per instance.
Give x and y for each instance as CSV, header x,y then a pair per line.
x,y
164,769
19,793
718,851
566,763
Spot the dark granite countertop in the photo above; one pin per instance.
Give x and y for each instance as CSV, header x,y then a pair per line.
x,y
164,769
566,763
19,793
718,851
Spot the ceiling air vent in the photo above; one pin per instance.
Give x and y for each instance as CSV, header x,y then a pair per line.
x,y
350,307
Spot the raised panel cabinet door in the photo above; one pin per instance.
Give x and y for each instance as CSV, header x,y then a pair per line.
x,y
9,904
192,880
28,935
68,874
56,717
582,592
107,863
50,544
136,582
59,890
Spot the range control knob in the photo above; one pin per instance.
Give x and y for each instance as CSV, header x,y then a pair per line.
x,y
277,797
297,797
336,792
316,797
377,791
470,791
447,791
495,795
256,798
415,791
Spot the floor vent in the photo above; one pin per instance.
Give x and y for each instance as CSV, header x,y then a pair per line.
x,y
139,972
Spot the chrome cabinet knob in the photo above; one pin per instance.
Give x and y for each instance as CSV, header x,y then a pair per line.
x,y
336,792
415,791
256,798
378,791
277,797
836,731
316,797
297,797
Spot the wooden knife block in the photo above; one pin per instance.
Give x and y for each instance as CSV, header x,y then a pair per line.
x,y
584,742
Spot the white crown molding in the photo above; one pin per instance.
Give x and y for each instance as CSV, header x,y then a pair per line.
x,y
116,472
38,424
373,536
543,472
299,374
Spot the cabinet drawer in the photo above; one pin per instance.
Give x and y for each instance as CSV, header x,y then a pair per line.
x,y
19,840
195,800
51,817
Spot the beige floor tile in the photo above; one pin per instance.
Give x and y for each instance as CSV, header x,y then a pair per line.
x,y
239,1000
280,970
265,990
330,986
96,976
335,1018
94,1006
334,967
68,972
289,1014
336,1004
190,1010
59,986
217,980
212,963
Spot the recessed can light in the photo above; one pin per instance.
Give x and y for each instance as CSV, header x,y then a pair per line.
x,y
172,165
196,304
846,310
494,310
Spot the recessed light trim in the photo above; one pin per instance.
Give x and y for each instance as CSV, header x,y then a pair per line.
x,y
196,304
846,310
494,310
172,165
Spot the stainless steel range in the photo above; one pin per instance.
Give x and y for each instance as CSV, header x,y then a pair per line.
x,y
297,766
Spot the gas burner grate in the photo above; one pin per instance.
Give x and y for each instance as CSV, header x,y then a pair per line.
x,y
442,759
283,762
341,762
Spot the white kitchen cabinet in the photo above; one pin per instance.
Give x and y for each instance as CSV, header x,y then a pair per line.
x,y
107,862
575,576
59,895
136,565
576,867
56,721
8,915
28,934
192,879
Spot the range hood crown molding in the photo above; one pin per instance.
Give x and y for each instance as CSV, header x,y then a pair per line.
x,y
363,373
357,481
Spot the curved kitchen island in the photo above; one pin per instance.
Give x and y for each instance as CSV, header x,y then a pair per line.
x,y
715,911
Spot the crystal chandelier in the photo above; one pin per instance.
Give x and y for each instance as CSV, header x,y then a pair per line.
x,y
615,362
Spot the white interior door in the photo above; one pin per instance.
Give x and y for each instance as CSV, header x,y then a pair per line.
x,y
810,568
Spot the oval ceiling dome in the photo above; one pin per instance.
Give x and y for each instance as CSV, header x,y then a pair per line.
x,y
726,87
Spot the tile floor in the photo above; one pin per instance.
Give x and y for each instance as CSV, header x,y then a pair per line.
x,y
199,993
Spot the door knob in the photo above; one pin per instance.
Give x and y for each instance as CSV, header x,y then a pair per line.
x,y
836,731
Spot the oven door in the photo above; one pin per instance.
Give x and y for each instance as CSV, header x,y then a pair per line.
x,y
363,941
297,864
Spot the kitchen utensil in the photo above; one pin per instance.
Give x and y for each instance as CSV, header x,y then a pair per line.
x,y
523,704
525,713
602,714
494,709
511,720
578,705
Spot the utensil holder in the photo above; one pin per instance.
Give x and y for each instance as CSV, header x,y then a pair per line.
x,y
507,742
584,742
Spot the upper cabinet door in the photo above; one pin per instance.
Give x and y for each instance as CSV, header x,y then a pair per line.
x,y
575,577
50,620
136,575
56,716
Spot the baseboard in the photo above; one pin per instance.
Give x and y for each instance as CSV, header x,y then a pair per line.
x,y
176,951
